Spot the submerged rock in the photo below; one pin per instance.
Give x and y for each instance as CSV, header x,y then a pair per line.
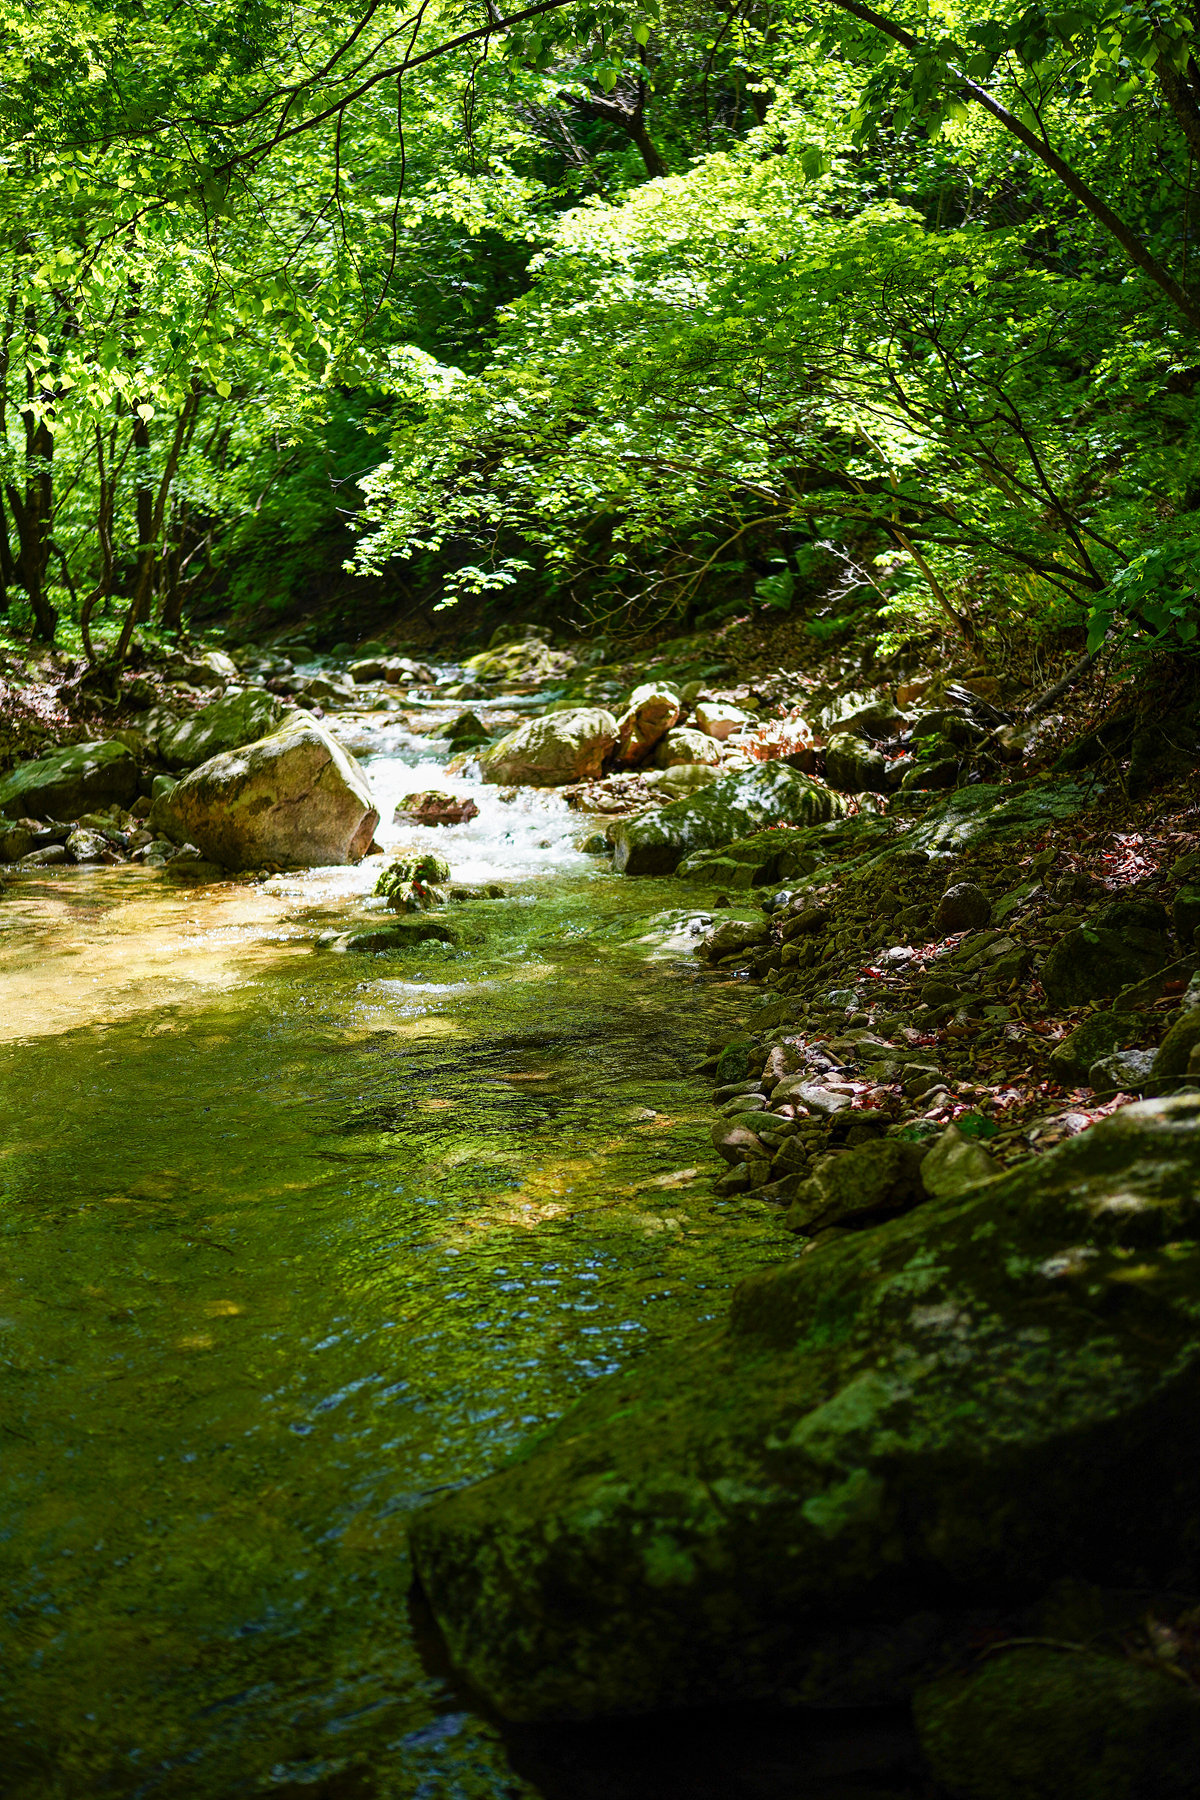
x,y
402,935
225,725
72,781
552,751
734,806
905,1433
295,798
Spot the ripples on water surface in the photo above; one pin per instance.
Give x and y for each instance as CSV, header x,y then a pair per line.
x,y
291,1242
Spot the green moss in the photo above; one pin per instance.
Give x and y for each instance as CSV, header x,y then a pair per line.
x,y
1045,1724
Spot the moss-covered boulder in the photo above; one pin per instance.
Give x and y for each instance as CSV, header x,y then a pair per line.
x,y
854,767
1037,1723
1093,962
735,806
225,725
768,856
72,781
892,1438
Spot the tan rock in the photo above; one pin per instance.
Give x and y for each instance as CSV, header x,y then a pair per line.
x,y
295,798
686,746
717,719
652,711
552,751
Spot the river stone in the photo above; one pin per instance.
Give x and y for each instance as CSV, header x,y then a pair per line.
x,y
295,798
683,779
717,719
955,1162
1124,1072
734,806
686,747
16,843
1099,1035
854,767
652,711
225,725
859,1185
733,936
963,907
79,779
1094,962
85,846
888,1443
549,752
1039,1723
464,731
736,1142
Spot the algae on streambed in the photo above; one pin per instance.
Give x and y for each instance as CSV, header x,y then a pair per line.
x,y
291,1242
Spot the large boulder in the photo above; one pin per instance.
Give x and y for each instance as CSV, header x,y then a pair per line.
x,y
735,806
225,725
890,1444
552,751
652,711
76,780
295,798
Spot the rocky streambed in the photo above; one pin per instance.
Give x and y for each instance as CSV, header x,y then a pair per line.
x,y
733,1269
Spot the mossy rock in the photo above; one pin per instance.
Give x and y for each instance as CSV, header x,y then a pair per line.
x,y
1097,1036
1094,962
891,1441
728,810
225,725
77,779
768,856
404,870
1176,1048
1049,1724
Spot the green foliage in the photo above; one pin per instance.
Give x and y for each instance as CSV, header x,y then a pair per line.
x,y
620,304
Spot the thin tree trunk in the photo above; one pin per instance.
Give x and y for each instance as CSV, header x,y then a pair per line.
x,y
145,578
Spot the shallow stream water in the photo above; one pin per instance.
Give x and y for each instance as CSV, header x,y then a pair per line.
x,y
293,1241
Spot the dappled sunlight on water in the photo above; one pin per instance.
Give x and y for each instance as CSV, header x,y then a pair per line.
x,y
291,1242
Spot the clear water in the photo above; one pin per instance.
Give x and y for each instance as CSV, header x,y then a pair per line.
x,y
290,1243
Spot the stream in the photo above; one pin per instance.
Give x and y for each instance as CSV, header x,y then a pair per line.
x,y
293,1241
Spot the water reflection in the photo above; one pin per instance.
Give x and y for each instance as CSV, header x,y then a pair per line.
x,y
291,1242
